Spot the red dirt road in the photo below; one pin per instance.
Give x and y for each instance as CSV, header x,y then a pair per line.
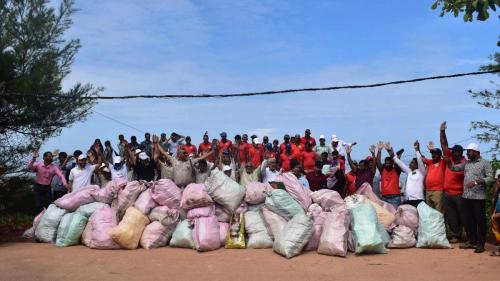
x,y
34,261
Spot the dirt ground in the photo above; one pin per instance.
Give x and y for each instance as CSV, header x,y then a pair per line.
x,y
35,261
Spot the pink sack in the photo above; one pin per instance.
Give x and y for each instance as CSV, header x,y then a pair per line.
x,y
223,229
274,223
319,217
256,192
166,193
145,202
407,215
128,195
160,213
295,189
30,232
335,236
87,235
72,201
206,211
101,221
206,234
195,196
222,214
327,199
155,235
366,190
110,191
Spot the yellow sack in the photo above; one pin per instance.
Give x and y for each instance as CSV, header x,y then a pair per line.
x,y
236,241
383,216
128,232
495,229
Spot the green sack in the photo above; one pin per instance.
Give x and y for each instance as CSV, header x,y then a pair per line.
x,y
70,229
46,230
283,204
366,230
431,228
88,209
182,236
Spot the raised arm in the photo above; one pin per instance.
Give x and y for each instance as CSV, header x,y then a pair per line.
x,y
420,161
348,150
160,149
380,146
203,156
31,164
374,158
442,137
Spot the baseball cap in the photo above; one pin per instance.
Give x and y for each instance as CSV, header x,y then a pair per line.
x,y
226,168
322,137
137,151
256,141
82,156
117,159
334,138
223,134
458,148
473,146
287,136
143,156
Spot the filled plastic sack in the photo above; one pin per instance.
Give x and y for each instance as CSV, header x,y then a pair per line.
x,y
283,204
87,234
243,208
166,193
222,214
335,235
255,192
88,209
71,201
431,228
294,236
182,236
407,215
319,217
274,223
384,234
224,190
206,211
156,235
236,234
145,202
100,222
195,196
402,237
223,230
128,232
295,189
256,208
327,199
352,201
30,232
366,233
70,229
128,195
159,213
206,234
367,190
383,216
46,229
258,238
110,191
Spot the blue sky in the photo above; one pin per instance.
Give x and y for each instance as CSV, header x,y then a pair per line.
x,y
160,47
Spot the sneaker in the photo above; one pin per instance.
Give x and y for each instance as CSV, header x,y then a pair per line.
x,y
479,249
467,246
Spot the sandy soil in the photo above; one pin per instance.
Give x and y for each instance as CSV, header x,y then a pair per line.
x,y
34,261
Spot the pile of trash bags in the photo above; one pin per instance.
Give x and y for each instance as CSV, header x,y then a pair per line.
x,y
222,213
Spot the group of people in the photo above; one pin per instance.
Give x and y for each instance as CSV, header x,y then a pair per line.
x,y
446,180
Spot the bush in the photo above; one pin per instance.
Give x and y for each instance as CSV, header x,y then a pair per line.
x,y
16,196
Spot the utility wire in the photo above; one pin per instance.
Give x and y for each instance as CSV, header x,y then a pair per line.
x,y
118,121
175,96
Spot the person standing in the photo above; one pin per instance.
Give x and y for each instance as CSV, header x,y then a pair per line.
x,y
81,175
307,138
308,158
477,175
45,171
389,182
414,188
58,188
146,145
362,172
322,147
189,147
434,179
174,142
206,147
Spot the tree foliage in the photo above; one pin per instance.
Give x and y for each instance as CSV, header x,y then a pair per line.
x,y
468,8
35,57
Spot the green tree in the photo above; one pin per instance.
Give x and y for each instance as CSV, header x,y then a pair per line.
x,y
35,57
468,8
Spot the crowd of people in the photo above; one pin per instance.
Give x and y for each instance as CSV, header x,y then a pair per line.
x,y
446,180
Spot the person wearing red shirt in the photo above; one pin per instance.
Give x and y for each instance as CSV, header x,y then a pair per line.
x,y
316,179
362,172
224,144
351,180
434,179
275,150
286,140
189,147
256,152
307,138
453,188
308,158
242,148
205,147
389,181
286,158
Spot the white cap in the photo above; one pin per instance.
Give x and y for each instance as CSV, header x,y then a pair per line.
x,y
106,170
102,166
497,173
117,159
473,146
322,137
334,138
82,156
143,156
137,151
226,168
256,141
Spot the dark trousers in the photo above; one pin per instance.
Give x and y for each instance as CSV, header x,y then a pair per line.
x,y
453,214
43,197
414,203
56,194
474,212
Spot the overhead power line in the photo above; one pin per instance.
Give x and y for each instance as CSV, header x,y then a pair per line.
x,y
177,96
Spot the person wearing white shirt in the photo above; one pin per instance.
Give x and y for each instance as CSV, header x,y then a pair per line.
x,y
118,169
414,189
269,170
339,145
81,175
